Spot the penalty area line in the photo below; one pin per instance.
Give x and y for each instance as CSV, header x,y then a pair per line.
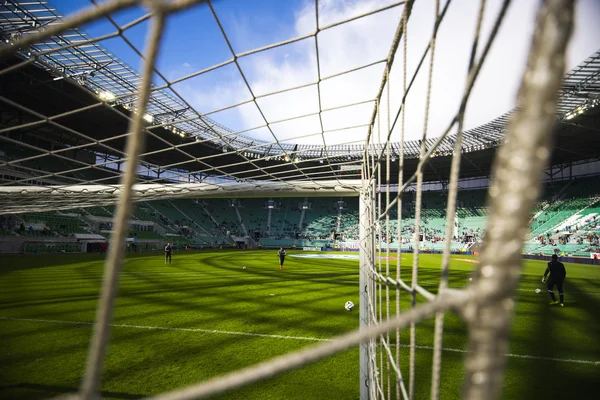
x,y
265,335
512,355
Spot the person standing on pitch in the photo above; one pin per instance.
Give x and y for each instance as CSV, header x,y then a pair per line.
x,y
557,272
281,254
168,251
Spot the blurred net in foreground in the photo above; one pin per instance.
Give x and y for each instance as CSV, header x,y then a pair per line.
x,y
486,305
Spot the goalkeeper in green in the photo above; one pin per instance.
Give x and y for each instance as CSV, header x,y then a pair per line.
x,y
557,272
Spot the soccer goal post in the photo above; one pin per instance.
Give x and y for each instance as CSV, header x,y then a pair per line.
x,y
486,304
367,290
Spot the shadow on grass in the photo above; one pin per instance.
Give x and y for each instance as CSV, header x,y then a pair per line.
x,y
155,290
20,262
172,298
555,379
36,390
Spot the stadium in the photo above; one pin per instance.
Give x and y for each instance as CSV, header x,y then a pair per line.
x,y
416,234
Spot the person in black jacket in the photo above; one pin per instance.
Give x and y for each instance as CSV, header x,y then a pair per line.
x,y
557,272
168,251
281,254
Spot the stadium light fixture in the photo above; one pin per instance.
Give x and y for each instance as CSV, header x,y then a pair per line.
x,y
579,110
107,96
148,118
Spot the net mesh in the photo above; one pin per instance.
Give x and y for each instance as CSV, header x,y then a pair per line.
x,y
487,306
380,162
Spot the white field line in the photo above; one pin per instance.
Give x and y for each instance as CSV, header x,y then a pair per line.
x,y
567,360
542,287
307,338
545,289
167,328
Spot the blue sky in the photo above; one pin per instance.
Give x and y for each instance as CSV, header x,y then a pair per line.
x,y
193,42
193,37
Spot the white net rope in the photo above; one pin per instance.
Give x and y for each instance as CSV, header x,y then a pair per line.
x,y
485,305
235,158
184,145
515,187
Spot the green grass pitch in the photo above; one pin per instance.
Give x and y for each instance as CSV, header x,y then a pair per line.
x,y
204,315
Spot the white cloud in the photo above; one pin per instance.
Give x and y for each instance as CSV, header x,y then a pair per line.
x,y
368,40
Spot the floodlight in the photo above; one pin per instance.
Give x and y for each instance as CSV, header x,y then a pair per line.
x,y
148,118
106,96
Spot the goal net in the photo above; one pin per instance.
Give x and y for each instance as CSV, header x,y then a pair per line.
x,y
383,167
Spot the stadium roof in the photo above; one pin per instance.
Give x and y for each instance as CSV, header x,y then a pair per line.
x,y
68,90
75,55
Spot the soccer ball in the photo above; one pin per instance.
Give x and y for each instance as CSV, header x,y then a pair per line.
x,y
349,306
538,291
244,267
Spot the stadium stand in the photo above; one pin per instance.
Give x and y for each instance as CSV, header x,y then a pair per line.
x,y
51,224
566,221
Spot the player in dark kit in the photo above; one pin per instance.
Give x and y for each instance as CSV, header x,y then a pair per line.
x,y
281,254
557,272
168,251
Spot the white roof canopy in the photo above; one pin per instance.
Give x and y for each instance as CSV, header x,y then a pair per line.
x,y
18,199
